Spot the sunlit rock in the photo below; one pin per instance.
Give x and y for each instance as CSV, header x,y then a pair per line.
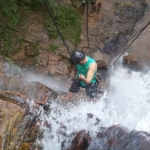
x,y
17,127
132,63
58,66
30,50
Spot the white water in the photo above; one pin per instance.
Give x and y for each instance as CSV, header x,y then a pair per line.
x,y
127,102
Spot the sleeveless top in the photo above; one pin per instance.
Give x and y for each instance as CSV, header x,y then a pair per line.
x,y
83,69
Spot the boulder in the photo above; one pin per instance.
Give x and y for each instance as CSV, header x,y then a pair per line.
x,y
132,62
58,66
81,141
30,50
18,128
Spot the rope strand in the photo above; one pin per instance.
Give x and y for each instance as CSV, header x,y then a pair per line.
x,y
62,38
87,28
130,44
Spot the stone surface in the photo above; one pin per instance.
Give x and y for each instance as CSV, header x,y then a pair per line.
x,y
132,63
81,141
30,51
114,137
17,127
19,124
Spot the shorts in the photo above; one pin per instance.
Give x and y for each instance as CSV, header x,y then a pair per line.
x,y
91,89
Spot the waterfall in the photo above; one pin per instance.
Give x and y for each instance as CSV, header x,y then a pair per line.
x,y
126,102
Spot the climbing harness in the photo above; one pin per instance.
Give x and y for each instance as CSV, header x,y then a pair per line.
x,y
51,15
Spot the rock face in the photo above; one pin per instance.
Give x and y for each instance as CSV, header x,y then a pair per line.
x,y
118,138
57,65
132,63
141,47
108,30
81,141
126,14
114,137
19,125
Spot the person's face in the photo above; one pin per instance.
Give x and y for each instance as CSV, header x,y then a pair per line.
x,y
82,62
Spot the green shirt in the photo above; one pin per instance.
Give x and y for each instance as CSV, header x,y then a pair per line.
x,y
83,69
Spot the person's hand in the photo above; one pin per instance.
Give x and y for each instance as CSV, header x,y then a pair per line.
x,y
81,77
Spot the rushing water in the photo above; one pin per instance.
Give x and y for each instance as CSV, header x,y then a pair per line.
x,y
126,102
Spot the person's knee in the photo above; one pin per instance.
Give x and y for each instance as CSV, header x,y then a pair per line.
x,y
92,95
74,90
91,90
75,87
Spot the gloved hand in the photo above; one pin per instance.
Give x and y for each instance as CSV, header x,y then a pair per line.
x,y
81,77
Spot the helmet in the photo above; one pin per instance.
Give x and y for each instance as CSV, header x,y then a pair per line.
x,y
77,56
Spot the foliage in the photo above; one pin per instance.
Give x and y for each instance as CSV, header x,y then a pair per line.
x,y
10,16
120,6
35,4
67,20
9,60
50,2
53,47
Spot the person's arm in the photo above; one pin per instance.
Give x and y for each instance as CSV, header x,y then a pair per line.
x,y
90,73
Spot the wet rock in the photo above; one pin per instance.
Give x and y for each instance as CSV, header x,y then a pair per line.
x,y
128,12
17,127
42,59
30,50
81,141
101,65
112,46
132,63
119,138
112,136
135,140
15,84
57,66
102,70
39,92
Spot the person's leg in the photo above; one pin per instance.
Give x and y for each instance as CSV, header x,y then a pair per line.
x,y
75,87
91,90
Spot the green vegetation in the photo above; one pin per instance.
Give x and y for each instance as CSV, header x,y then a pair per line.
x,y
36,48
10,18
67,20
9,60
121,6
53,47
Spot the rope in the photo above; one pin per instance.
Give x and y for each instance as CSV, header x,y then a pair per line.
x,y
87,29
126,41
130,43
62,38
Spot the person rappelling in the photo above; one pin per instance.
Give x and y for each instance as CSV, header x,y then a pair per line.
x,y
82,6
85,76
93,5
